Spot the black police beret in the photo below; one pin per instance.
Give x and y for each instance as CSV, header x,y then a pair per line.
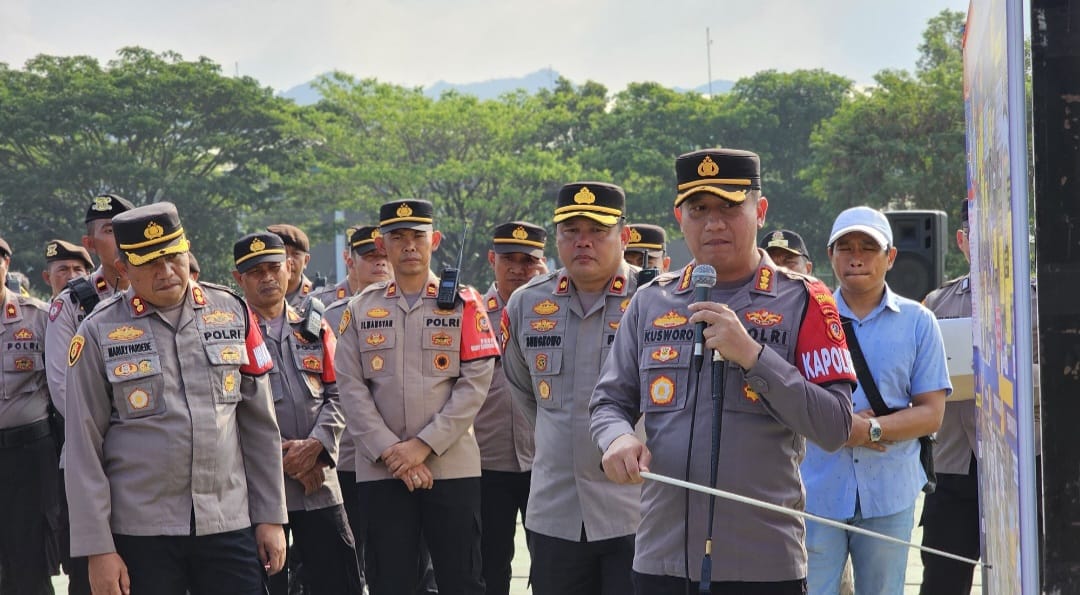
x,y
727,173
599,201
519,236
61,250
107,206
256,248
412,213
149,232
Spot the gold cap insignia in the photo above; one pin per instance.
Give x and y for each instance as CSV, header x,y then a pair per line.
x,y
257,245
375,234
708,168
404,211
153,231
584,196
50,250
635,236
520,233
102,203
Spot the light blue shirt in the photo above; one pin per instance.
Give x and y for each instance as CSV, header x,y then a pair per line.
x,y
902,344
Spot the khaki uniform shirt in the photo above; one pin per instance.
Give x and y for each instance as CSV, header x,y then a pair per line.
x,y
800,387
166,424
346,458
956,437
296,298
502,430
306,402
554,350
65,314
414,371
333,293
24,391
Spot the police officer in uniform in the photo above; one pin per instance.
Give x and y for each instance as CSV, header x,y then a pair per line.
x,y
299,255
647,247
65,313
309,416
413,374
787,249
787,376
64,261
502,430
558,330
171,433
29,505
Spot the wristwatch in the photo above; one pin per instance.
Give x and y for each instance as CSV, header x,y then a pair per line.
x,y
875,430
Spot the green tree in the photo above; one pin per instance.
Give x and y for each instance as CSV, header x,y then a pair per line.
x,y
900,144
148,126
482,162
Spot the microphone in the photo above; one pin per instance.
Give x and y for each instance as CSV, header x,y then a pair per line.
x,y
703,279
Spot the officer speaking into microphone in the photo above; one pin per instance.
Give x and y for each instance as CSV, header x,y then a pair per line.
x,y
787,375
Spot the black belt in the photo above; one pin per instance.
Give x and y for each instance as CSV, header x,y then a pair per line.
x,y
20,435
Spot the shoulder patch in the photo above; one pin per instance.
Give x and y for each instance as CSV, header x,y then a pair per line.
x,y
346,318
55,309
75,349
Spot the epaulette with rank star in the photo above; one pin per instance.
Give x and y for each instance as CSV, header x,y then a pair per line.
x,y
684,280
492,304
618,285
431,290
100,283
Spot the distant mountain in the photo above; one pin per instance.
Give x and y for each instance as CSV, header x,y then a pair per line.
x,y
718,86
305,93
492,89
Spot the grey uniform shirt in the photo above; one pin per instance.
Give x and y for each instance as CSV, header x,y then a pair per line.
x,y
306,402
165,424
504,433
24,398
65,314
956,437
767,412
346,458
414,371
296,298
333,293
552,359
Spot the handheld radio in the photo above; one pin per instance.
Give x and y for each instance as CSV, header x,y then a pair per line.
x,y
312,316
646,273
448,280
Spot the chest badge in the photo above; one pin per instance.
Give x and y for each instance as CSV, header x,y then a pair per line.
x,y
375,339
378,313
543,388
749,394
662,390
312,363
442,340
541,362
138,399
543,325
377,363
665,354
670,320
442,361
125,333
546,308
24,334
764,318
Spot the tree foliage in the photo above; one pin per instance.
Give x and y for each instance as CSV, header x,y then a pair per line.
x,y
148,126
231,155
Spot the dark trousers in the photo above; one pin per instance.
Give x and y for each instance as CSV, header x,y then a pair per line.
x,y
29,516
562,567
502,496
950,522
651,584
447,517
220,564
325,543
358,523
76,568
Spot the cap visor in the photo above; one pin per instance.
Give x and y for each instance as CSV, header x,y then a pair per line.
x,y
251,263
384,229
141,257
870,231
732,194
511,248
609,220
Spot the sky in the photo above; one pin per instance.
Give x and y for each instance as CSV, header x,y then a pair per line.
x,y
283,43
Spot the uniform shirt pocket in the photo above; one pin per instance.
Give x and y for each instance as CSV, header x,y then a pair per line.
x,y
377,352
23,373
545,366
665,374
225,360
138,386
441,350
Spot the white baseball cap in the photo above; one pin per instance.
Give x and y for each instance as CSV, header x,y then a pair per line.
x,y
872,222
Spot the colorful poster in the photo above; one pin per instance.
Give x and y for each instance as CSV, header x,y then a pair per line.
x,y
997,189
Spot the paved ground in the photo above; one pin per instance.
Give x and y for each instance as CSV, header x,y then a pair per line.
x,y
519,584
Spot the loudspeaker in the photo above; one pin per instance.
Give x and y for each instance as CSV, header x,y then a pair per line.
x,y
921,239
